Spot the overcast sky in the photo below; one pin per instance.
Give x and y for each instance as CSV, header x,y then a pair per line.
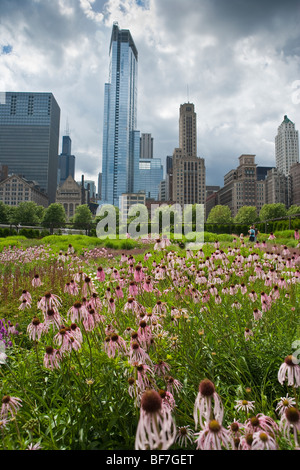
x,y
238,61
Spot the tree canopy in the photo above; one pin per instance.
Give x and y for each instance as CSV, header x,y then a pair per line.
x,y
219,215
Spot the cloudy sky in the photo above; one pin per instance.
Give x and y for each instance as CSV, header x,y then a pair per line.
x,y
238,61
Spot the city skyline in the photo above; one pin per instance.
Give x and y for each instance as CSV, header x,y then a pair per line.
x,y
238,62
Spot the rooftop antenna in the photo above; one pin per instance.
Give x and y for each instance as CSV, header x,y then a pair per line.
x,y
67,132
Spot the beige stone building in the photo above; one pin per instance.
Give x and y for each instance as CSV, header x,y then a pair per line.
x,y
242,187
276,188
188,177
295,183
14,189
70,195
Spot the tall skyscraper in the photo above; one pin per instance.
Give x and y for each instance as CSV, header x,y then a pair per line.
x,y
188,130
29,134
66,160
188,180
286,146
146,150
121,139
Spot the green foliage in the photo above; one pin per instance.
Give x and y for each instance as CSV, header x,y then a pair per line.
x,y
272,211
219,215
83,217
55,216
246,215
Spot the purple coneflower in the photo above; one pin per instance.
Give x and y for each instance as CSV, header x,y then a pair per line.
x,y
138,354
289,370
49,301
290,419
77,312
10,405
156,428
35,329
36,281
263,441
285,403
184,436
51,358
244,405
113,344
261,422
213,437
207,403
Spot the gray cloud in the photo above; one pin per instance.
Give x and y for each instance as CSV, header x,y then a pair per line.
x,y
235,59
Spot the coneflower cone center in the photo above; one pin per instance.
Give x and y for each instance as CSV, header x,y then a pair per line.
x,y
151,401
206,388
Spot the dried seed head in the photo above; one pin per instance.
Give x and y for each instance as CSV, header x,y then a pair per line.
x,y
206,388
151,401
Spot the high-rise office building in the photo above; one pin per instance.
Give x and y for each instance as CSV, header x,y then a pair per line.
x,y
29,134
121,139
66,160
286,146
188,130
188,178
151,173
146,149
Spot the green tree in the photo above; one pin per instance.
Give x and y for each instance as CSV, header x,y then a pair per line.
x,y
3,213
219,215
55,216
293,210
82,217
27,213
272,211
246,215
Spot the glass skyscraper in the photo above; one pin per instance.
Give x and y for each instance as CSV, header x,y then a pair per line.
x,y
121,139
29,134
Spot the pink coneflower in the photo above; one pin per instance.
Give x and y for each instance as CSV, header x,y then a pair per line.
x,y
257,314
36,281
144,334
159,308
173,385
253,296
261,422
133,289
168,399
244,405
88,287
52,317
285,403
111,304
78,312
66,340
138,354
289,370
26,295
247,334
213,437
51,358
246,441
148,286
156,428
92,319
119,292
161,368
290,420
113,344
184,436
132,305
49,301
138,274
10,405
100,274
207,403
24,304
35,329
142,378
263,441
36,446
